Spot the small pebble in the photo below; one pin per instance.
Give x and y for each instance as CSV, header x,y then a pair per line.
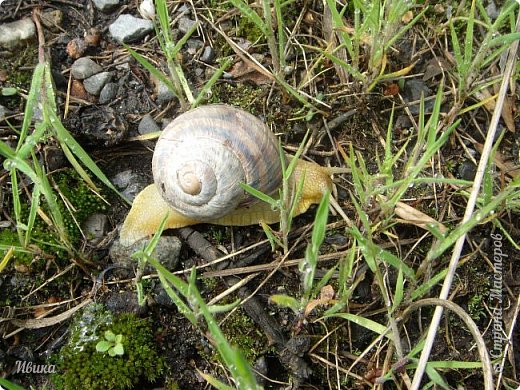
x,y
84,67
52,20
127,28
185,24
95,228
76,47
166,252
106,5
95,84
208,55
108,93
467,170
14,33
147,125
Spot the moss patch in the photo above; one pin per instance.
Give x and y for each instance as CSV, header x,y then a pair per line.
x,y
79,365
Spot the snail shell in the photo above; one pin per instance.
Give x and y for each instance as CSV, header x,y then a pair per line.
x,y
203,155
198,163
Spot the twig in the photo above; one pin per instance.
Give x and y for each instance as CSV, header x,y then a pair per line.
x,y
432,331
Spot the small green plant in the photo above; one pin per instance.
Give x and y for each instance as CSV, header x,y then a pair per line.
x,y
471,60
308,265
287,201
113,344
81,365
76,202
264,23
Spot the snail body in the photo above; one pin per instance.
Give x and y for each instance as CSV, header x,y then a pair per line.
x,y
198,163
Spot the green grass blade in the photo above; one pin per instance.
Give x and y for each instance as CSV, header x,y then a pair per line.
x,y
204,92
150,68
250,14
364,322
32,101
66,138
260,195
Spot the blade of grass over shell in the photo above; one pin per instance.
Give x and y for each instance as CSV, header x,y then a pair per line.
x,y
260,195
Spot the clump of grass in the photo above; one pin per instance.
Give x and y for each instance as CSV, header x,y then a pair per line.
x,y
41,123
177,83
76,202
191,305
377,25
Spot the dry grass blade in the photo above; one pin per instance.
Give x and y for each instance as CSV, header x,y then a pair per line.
x,y
472,327
434,325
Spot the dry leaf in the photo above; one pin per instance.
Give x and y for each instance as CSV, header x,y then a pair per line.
x,y
507,109
326,296
415,217
407,17
435,67
241,71
509,168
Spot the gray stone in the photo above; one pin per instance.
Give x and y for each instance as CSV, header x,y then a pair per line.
x,y
127,28
185,24
95,227
166,252
467,170
413,90
129,183
208,55
106,5
95,84
84,68
108,93
14,33
147,125
3,112
124,302
164,94
123,179
194,44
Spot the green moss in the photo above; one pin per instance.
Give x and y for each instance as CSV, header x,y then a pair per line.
x,y
244,96
79,365
19,69
249,30
241,332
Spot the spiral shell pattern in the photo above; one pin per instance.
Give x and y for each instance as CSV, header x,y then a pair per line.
x,y
203,155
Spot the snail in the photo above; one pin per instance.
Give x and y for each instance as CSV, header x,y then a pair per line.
x,y
198,163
